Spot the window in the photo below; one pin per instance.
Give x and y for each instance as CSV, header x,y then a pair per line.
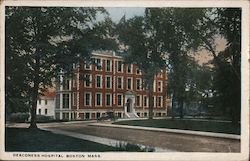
x,y
138,71
159,86
98,81
65,116
119,66
129,68
45,101
98,64
108,65
87,115
108,82
87,66
138,84
87,100
46,111
39,111
58,101
65,84
74,99
129,83
119,82
145,101
108,100
138,100
119,100
88,80
39,101
98,99
65,100
159,101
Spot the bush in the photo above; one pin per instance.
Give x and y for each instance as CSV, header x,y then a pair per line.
x,y
43,118
133,148
19,117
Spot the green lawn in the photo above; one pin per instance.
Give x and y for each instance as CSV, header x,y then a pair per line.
x,y
208,126
28,140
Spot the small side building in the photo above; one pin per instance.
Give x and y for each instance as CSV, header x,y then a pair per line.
x,y
46,103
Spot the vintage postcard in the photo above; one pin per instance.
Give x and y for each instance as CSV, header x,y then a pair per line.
x,y
124,80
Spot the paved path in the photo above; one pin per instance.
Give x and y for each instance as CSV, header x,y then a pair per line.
x,y
164,140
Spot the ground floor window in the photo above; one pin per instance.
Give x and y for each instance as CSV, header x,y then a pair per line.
x,y
145,114
98,115
119,114
87,115
65,116
57,116
138,113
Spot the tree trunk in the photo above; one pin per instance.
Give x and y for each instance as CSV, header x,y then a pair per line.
x,y
181,108
151,98
34,105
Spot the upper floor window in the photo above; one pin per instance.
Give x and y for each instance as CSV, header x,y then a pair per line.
x,y
46,111
87,99
145,102
108,82
108,99
119,99
45,101
129,83
138,100
65,100
87,80
138,84
98,64
159,101
39,101
129,68
87,66
65,84
98,99
99,81
119,66
138,71
159,86
108,65
119,82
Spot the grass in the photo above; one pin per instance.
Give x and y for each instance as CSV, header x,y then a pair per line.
x,y
207,126
36,140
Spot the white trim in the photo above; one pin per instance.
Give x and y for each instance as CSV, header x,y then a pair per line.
x,y
120,94
110,99
111,62
106,76
138,105
161,86
101,64
121,82
131,69
96,80
100,99
74,95
90,79
161,101
122,66
140,83
90,98
90,66
131,85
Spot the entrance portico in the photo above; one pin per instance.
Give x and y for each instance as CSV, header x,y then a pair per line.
x,y
129,105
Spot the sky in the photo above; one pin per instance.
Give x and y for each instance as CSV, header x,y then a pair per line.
x,y
116,13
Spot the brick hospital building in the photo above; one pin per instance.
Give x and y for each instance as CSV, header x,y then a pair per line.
x,y
109,85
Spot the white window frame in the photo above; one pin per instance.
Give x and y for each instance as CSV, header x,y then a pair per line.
x,y
90,98
161,86
140,84
110,99
100,99
97,64
131,78
90,66
145,96
121,82
74,95
119,94
90,79
131,68
138,73
106,78
100,81
139,100
117,64
64,94
109,66
160,102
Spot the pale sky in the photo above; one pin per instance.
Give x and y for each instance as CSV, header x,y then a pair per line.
x,y
116,13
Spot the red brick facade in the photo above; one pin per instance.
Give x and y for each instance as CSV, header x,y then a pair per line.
x,y
110,87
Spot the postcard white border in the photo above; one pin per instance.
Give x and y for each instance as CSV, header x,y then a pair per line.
x,y
244,4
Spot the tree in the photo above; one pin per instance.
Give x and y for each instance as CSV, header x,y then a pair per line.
x,y
47,41
142,48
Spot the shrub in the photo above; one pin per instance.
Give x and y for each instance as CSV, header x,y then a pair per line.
x,y
43,118
19,117
133,148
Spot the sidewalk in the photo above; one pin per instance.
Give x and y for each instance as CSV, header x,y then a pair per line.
x,y
189,132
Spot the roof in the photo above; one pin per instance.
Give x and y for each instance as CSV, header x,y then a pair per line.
x,y
48,93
